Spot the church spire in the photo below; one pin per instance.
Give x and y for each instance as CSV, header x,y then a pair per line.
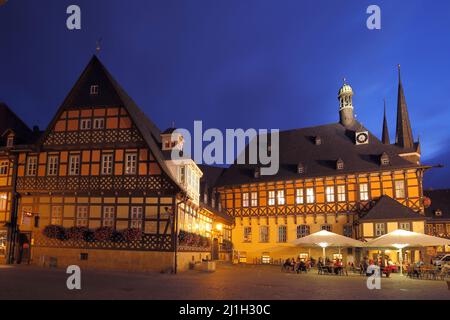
x,y
403,135
385,135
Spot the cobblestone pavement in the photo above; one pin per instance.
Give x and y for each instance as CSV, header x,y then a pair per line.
x,y
228,282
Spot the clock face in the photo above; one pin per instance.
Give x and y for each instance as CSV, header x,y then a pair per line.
x,y
362,137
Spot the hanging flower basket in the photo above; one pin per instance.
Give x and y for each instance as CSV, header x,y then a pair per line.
x,y
132,234
117,237
55,232
103,233
76,233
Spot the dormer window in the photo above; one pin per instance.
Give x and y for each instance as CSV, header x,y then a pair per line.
x,y
300,168
318,140
257,173
438,213
384,159
10,141
94,90
340,164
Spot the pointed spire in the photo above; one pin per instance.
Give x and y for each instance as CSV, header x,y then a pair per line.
x,y
385,135
403,135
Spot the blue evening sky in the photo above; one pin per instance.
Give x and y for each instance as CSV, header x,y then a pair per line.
x,y
239,63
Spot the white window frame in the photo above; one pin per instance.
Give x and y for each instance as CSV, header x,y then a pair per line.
x,y
99,123
85,124
94,90
4,168
56,217
107,164
400,190
364,192
329,190
380,229
136,217
264,236
341,193
282,234
303,230
254,199
74,164
82,218
32,164
281,199
10,141
327,227
247,234
109,216
130,163
310,196
52,165
271,197
299,197
3,201
404,226
245,199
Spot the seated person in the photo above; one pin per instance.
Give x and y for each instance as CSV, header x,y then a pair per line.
x,y
338,266
301,266
287,264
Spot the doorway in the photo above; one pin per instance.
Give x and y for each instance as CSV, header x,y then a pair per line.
x,y
24,249
215,249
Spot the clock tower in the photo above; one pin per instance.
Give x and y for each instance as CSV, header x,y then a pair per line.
x,y
345,97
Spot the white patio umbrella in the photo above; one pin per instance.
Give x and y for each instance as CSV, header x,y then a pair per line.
x,y
401,239
326,239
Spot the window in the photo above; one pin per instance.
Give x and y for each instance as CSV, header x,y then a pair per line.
x,y
32,166
326,227
108,217
280,197
94,90
380,229
264,234
310,195
130,163
4,168
245,199
271,198
82,217
10,141
52,165
254,199
3,240
341,193
330,194
85,124
299,196
74,165
182,175
247,234
107,164
302,231
364,192
56,215
404,226
3,201
400,189
282,234
99,123
136,217
348,230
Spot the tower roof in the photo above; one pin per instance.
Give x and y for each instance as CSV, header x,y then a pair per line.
x,y
385,136
403,135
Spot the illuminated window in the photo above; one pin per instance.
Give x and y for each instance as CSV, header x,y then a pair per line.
x,y
82,217
245,199
130,163
254,199
364,192
56,215
99,123
264,234
380,229
52,165
282,234
3,240
299,196
94,90
108,217
439,228
309,195
4,168
136,217
400,189
302,231
74,165
330,194
271,198
32,166
85,124
280,197
247,234
107,164
3,201
341,193
404,226
326,227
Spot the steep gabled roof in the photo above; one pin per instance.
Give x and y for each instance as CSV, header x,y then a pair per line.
x,y
404,137
9,121
111,94
385,135
298,146
440,200
387,208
